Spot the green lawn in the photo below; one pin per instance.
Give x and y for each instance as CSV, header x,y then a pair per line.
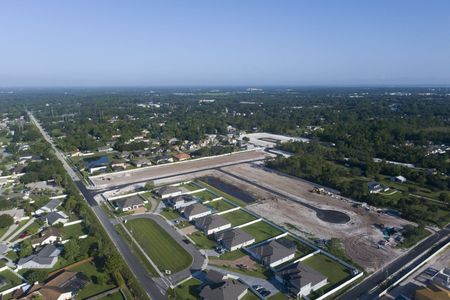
x,y
165,252
205,195
222,194
262,231
114,296
93,287
328,267
137,252
250,296
11,280
220,205
190,186
259,271
170,214
72,231
238,217
233,255
279,296
301,248
188,290
202,241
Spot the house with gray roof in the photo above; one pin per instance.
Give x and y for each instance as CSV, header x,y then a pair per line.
x,y
129,203
51,206
229,289
46,258
168,191
300,280
234,239
181,201
212,224
196,211
56,217
274,253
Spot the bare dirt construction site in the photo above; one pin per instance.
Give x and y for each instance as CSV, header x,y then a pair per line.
x,y
147,173
359,235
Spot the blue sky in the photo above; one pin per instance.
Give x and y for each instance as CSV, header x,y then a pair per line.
x,y
232,42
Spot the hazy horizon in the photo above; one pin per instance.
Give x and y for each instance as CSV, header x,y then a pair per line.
x,y
224,44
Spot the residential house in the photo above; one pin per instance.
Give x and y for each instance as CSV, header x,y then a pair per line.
x,y
129,203
229,289
168,191
141,162
375,187
399,179
181,156
300,280
49,185
275,252
48,236
212,224
181,201
163,159
56,217
49,207
196,211
62,286
234,239
46,258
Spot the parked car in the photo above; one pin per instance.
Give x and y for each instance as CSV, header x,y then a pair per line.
x,y
265,293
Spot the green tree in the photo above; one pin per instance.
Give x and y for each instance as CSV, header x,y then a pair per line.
x,y
71,250
36,276
6,221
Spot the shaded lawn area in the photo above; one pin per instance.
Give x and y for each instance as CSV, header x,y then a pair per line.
x,y
170,214
165,252
113,296
262,231
93,287
220,205
11,280
279,296
301,248
238,217
222,194
335,272
250,296
258,271
188,290
72,231
205,195
202,241
137,252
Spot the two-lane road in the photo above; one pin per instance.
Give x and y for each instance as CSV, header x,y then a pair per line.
x,y
153,290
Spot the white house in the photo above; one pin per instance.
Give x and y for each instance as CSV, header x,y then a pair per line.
x,y
168,191
196,211
275,252
46,258
48,236
212,224
56,217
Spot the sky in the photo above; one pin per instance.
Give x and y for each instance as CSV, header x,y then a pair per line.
x,y
224,43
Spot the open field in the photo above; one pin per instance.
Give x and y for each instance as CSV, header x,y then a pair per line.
x,y
238,217
262,231
159,245
359,236
148,173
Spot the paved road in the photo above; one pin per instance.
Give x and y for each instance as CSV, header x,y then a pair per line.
x,y
153,290
364,291
197,257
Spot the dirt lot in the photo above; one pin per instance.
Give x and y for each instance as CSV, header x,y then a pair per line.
x,y
359,236
148,173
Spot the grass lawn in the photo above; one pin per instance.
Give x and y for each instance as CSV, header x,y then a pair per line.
x,y
250,296
262,231
165,252
205,195
279,296
220,205
91,288
11,280
114,296
333,270
72,231
258,271
222,194
137,252
238,217
170,214
190,186
188,290
202,241
233,255
301,248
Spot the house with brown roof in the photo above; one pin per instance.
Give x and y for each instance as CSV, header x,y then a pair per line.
x,y
181,156
65,285
50,235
